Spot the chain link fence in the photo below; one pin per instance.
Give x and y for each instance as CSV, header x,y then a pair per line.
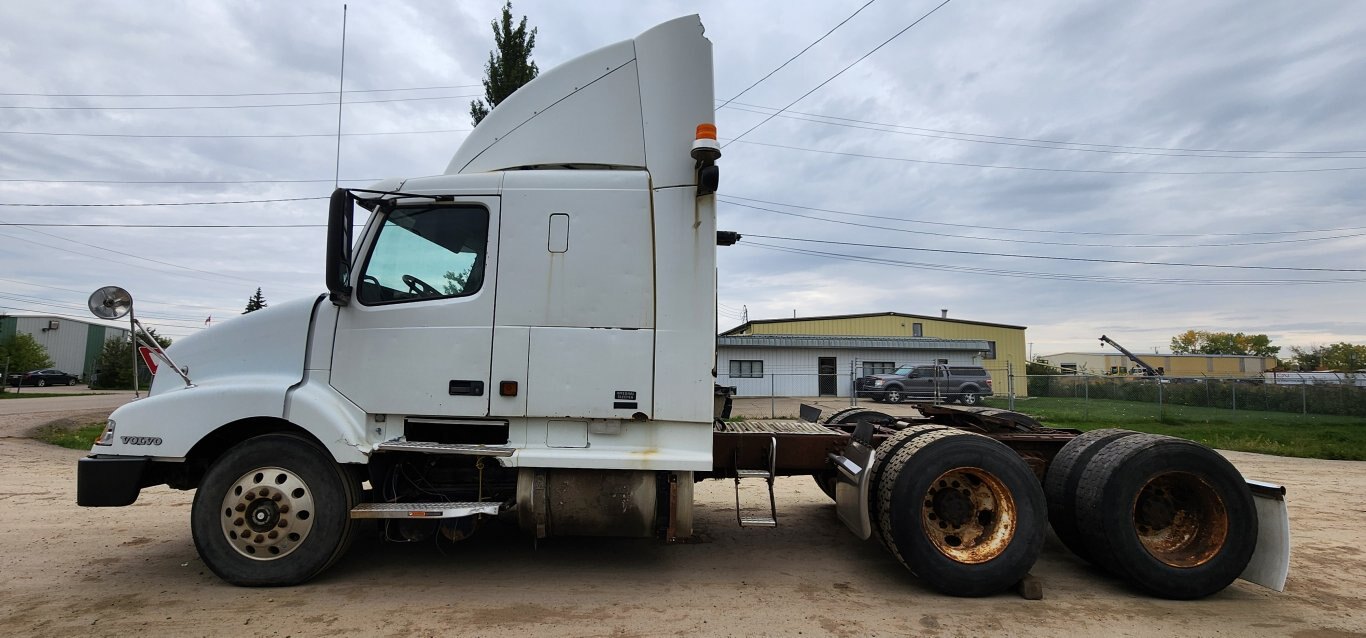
x,y
1274,393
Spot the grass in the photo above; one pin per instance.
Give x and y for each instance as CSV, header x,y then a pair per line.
x,y
1281,433
74,436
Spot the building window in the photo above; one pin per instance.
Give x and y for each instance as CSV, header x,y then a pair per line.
x,y
917,330
991,350
871,368
1069,368
942,362
746,369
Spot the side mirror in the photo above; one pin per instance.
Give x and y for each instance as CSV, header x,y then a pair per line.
x,y
339,220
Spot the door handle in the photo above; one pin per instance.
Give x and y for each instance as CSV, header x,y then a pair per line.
x,y
467,388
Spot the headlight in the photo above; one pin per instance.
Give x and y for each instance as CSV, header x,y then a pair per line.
x,y
108,437
877,383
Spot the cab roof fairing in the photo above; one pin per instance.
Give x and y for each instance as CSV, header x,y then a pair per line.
x,y
631,104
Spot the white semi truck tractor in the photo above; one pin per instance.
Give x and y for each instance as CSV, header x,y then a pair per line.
x,y
529,339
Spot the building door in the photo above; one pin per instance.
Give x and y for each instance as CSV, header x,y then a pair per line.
x,y
828,383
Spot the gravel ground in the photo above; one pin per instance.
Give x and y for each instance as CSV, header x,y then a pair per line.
x,y
119,571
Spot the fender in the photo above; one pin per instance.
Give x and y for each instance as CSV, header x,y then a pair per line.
x,y
330,417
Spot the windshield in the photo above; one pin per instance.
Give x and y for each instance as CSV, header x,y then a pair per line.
x,y
903,371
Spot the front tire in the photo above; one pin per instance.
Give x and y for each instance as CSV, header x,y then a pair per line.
x,y
893,395
70,382
274,510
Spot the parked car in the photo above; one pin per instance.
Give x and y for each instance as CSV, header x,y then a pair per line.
x,y
45,377
965,384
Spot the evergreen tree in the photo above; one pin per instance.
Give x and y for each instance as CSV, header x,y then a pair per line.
x,y
113,368
509,65
256,302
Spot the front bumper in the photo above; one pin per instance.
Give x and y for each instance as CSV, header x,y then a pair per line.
x,y
109,481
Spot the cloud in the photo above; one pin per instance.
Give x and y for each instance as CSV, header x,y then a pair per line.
x,y
1160,74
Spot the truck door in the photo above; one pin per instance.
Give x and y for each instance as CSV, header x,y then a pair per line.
x,y
920,385
417,337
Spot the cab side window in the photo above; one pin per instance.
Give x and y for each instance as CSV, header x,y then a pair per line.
x,y
422,253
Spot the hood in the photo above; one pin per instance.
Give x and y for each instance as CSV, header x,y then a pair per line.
x,y
269,342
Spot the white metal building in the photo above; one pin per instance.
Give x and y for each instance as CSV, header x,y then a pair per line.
x,y
819,365
72,344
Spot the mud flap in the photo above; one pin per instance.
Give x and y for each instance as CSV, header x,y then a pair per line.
x,y
1270,563
854,476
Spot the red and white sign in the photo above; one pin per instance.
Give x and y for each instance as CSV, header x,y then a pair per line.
x,y
147,358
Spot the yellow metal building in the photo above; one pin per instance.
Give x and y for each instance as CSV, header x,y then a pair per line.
x,y
1006,342
1173,365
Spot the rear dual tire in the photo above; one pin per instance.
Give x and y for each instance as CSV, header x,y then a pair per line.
x,y
961,511
1172,517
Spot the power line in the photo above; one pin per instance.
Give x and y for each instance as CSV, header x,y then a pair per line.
x,y
1035,241
135,95
1047,275
181,107
80,292
799,53
43,301
49,313
1035,230
187,181
1051,170
232,136
61,225
38,243
1056,258
841,71
871,126
206,203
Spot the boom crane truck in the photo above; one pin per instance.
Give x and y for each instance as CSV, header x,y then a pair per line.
x,y
529,337
1147,369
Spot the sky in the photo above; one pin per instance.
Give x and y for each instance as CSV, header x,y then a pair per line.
x,y
1134,169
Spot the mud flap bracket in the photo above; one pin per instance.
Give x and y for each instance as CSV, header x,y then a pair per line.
x,y
1270,563
854,471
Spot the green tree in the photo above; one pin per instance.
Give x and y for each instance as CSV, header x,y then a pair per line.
x,y
255,302
1340,357
113,368
23,353
509,65
1205,342
455,281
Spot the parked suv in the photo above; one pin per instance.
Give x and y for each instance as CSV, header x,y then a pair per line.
x,y
965,384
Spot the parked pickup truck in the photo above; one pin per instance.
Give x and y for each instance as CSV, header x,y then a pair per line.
x,y
965,384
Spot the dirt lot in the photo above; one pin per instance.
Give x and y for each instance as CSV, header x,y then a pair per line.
x,y
68,570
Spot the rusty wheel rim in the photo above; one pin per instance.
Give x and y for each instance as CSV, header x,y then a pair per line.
x,y
267,513
1180,519
968,515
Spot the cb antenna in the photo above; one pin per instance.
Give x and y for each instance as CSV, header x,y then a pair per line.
x,y
341,83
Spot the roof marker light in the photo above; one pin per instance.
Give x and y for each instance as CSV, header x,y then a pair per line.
x,y
704,146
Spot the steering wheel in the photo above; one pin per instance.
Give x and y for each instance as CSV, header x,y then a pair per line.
x,y
419,287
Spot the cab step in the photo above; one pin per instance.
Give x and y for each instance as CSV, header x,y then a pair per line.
x,y
422,510
427,447
767,474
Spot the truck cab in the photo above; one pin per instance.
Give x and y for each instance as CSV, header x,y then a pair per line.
x,y
488,343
